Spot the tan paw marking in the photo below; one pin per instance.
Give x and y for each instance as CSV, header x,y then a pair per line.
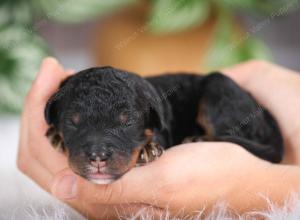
x,y
150,153
55,138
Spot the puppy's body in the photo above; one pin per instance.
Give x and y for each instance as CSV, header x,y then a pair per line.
x,y
105,118
214,108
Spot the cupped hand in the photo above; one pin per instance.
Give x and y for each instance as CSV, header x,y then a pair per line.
x,y
184,180
36,157
187,177
278,90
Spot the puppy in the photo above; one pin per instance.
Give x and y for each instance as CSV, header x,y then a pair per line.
x,y
108,120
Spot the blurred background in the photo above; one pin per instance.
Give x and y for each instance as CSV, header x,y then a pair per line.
x,y
144,36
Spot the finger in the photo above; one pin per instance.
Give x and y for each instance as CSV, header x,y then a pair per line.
x,y
252,72
32,168
100,200
40,175
28,164
46,83
94,202
27,145
131,188
48,79
276,88
70,72
48,157
243,72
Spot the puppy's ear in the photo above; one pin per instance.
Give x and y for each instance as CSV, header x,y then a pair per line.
x,y
156,117
51,110
52,106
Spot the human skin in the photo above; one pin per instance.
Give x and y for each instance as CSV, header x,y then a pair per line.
x,y
185,178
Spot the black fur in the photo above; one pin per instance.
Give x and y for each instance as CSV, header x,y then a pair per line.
x,y
113,113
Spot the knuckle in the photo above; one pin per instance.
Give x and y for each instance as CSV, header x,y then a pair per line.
x,y
258,63
22,163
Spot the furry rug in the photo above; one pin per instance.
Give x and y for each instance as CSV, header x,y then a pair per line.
x,y
21,199
56,211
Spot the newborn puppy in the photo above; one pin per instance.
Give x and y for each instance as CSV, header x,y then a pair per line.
x,y
107,120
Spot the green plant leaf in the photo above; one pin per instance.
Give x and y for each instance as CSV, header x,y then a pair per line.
x,y
231,53
254,49
21,54
227,50
74,11
177,15
15,12
261,6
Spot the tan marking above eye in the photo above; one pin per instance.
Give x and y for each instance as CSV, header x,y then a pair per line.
x,y
123,117
148,133
76,118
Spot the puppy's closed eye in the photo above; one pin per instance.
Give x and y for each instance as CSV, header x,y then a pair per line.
x,y
124,117
73,121
75,118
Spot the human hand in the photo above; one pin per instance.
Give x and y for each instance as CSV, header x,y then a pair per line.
x,y
36,157
278,90
188,176
185,179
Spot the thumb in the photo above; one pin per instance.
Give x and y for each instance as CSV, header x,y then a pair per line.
x,y
132,187
70,187
64,185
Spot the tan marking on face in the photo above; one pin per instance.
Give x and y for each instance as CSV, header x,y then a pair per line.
x,y
123,117
204,121
135,157
149,134
120,165
76,118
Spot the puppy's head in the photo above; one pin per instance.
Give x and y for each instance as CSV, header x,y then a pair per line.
x,y
105,117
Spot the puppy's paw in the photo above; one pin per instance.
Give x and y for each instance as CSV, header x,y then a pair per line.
x,y
150,153
193,139
55,138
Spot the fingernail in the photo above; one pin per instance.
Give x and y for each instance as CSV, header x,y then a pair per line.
x,y
70,71
48,61
66,187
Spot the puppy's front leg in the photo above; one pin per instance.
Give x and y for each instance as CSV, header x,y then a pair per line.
x,y
152,150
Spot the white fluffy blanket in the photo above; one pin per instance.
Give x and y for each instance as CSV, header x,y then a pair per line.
x,y
53,210
21,199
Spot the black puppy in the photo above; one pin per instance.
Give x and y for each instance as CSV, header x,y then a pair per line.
x,y
108,120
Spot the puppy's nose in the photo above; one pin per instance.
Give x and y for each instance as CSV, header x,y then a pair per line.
x,y
101,156
98,164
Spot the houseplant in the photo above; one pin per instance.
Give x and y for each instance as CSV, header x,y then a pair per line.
x,y
22,49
